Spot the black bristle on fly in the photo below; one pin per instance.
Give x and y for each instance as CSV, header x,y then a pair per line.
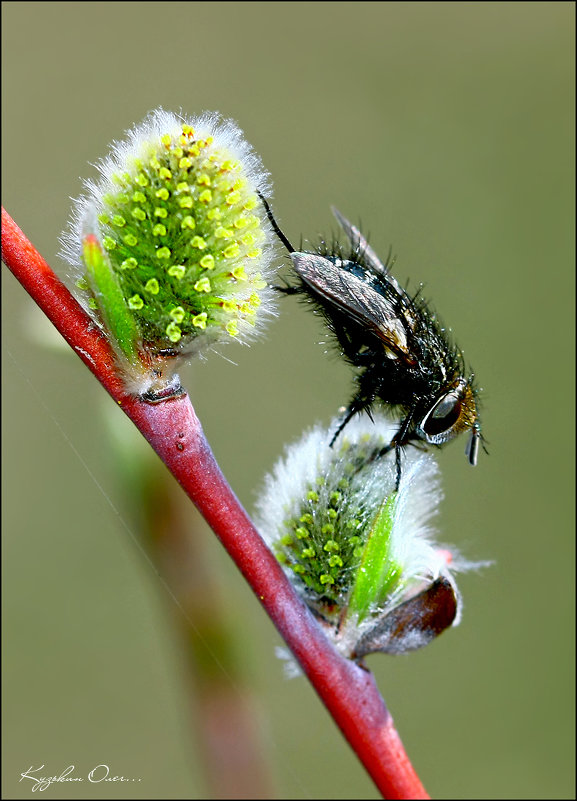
x,y
402,354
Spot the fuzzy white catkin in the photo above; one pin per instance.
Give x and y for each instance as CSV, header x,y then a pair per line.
x,y
228,298
418,500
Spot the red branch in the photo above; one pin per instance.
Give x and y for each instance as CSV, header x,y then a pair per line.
x,y
173,430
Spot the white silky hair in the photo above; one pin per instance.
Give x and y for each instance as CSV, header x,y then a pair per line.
x,y
417,503
138,142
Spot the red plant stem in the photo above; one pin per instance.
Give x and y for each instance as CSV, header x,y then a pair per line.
x,y
349,691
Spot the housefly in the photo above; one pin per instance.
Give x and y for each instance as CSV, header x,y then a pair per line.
x,y
403,357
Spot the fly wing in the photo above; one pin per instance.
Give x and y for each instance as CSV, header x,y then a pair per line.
x,y
360,244
356,298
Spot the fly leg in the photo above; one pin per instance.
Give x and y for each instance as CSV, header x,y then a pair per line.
x,y
356,405
402,438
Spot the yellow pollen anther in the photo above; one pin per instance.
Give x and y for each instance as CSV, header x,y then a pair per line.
x,y
173,332
135,302
232,251
232,198
200,320
177,271
207,262
177,314
239,273
152,286
203,284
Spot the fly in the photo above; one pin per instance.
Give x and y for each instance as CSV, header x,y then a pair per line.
x,y
403,357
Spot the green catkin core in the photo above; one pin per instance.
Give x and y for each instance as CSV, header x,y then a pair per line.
x,y
182,235
339,543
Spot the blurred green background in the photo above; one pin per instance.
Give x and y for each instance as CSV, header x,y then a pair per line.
x,y
447,129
